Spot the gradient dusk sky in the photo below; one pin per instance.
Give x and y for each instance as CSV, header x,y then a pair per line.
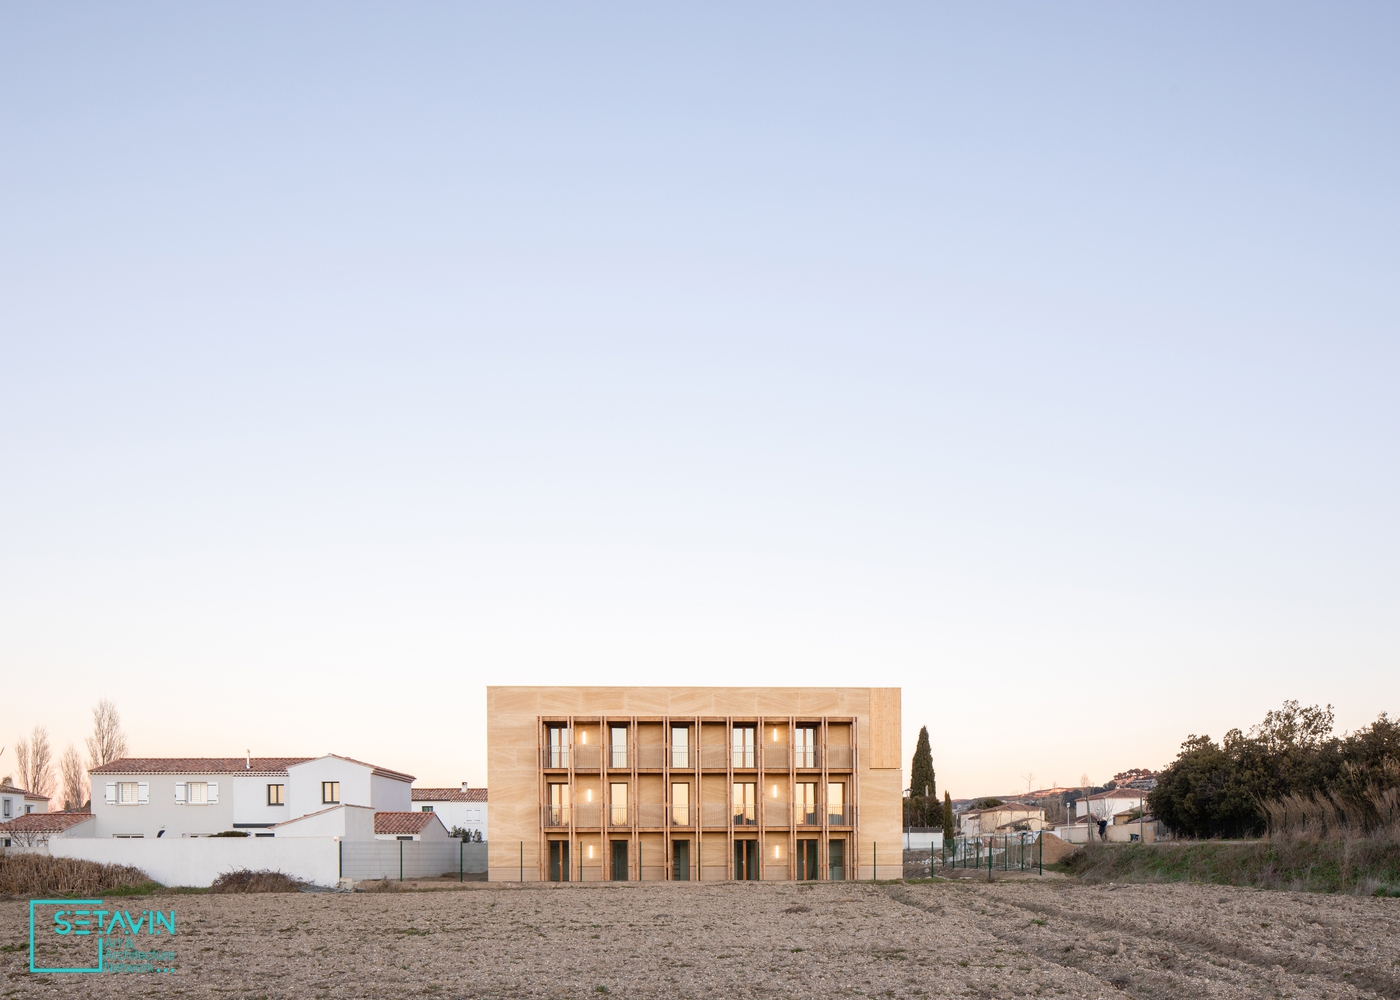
x,y
1041,360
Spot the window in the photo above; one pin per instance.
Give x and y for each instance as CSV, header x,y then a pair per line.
x,y
807,803
426,809
7,809
680,803
745,803
618,741
836,803
28,809
330,792
126,793
618,811
197,793
558,746
276,795
743,746
680,746
410,837
558,814
806,746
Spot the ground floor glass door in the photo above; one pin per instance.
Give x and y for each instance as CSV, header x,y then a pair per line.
x,y
746,859
619,861
837,858
807,859
559,861
680,860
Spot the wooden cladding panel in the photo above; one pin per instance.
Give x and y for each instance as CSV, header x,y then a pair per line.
x,y
884,727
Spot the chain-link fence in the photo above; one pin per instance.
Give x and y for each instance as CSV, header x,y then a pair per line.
x,y
405,859
1021,851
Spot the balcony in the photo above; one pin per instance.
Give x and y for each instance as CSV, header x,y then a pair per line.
x,y
555,816
775,757
588,758
841,815
714,758
651,758
682,815
554,757
651,814
618,815
744,815
777,813
840,758
807,757
588,815
714,815
682,757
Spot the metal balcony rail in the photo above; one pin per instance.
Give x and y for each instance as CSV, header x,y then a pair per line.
x,y
588,758
714,758
745,815
840,758
651,814
554,757
651,757
809,815
775,757
617,756
682,815
743,757
619,815
806,757
841,816
714,815
680,756
555,815
777,813
588,815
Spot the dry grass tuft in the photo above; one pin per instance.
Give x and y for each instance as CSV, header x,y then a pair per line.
x,y
245,880
799,908
41,875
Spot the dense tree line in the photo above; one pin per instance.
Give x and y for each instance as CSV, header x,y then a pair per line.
x,y
1218,789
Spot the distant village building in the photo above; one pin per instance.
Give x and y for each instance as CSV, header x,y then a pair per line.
x,y
1009,817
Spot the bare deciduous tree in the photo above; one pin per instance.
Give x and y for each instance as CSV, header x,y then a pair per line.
x,y
107,742
75,781
35,759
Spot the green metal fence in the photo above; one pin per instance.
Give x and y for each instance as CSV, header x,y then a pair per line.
x,y
996,852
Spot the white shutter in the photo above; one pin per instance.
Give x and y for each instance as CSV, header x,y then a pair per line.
x,y
111,793
179,793
213,792
143,793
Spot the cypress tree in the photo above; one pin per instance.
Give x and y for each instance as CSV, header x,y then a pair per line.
x,y
923,789
947,816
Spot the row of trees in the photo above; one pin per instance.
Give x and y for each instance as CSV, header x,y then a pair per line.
x,y
34,758
1220,789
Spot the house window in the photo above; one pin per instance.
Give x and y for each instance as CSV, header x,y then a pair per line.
x,y
28,809
406,838
7,809
807,804
618,745
276,795
680,803
197,793
426,809
618,795
836,804
743,746
745,803
806,746
126,793
680,746
330,792
558,746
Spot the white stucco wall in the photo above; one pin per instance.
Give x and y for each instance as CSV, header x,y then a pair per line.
x,y
347,822
467,815
198,862
390,794
250,808
161,811
304,784
1108,808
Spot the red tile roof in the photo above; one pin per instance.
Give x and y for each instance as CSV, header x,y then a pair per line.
x,y
198,765
16,790
54,822
449,795
402,823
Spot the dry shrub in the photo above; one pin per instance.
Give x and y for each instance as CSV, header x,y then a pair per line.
x,y
23,874
1325,814
245,880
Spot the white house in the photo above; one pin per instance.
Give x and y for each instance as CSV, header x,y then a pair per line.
x,y
152,797
35,830
1005,818
1107,805
15,802
463,808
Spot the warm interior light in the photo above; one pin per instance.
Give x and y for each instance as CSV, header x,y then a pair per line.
x,y
590,852
583,736
589,795
777,851
775,734
775,791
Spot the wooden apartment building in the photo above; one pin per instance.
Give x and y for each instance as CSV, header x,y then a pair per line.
x,y
686,783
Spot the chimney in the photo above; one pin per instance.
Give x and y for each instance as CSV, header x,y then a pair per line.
x,y
249,765
464,786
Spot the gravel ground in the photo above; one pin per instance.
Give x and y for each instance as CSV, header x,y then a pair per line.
x,y
745,940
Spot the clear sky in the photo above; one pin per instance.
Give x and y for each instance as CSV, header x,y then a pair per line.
x,y
1041,360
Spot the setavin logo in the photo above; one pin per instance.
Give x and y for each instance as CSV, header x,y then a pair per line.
x,y
86,937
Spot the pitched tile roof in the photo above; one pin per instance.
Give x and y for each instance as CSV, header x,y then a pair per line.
x,y
1119,793
449,795
402,823
16,790
198,765
54,822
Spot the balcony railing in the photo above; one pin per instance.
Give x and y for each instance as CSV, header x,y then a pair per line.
x,y
714,815
775,757
651,814
743,757
555,815
588,815
777,813
841,816
651,757
840,758
714,758
588,758
617,756
807,757
682,815
618,815
681,756
745,815
554,757
809,815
